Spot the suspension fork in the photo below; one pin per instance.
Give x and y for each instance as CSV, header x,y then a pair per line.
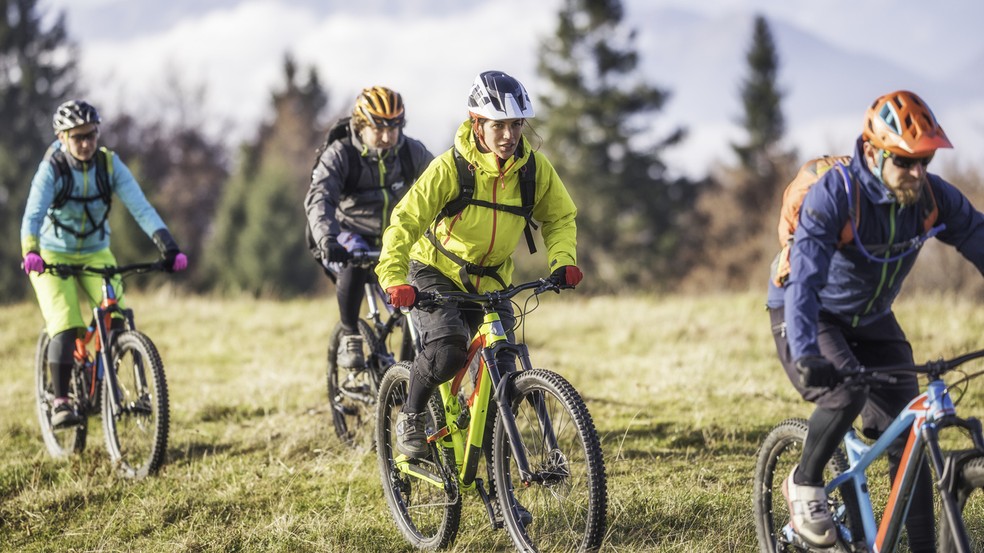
x,y
505,391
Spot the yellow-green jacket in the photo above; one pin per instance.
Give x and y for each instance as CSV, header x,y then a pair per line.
x,y
479,235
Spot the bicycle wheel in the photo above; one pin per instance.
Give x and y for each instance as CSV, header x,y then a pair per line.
x,y
60,442
352,393
426,514
136,437
779,453
970,501
569,496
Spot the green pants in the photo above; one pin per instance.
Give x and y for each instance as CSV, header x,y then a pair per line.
x,y
59,297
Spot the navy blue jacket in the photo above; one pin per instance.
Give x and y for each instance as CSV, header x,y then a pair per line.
x,y
842,281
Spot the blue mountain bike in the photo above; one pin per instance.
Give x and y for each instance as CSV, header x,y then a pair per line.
x,y
958,474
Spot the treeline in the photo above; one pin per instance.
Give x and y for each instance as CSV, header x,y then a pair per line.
x,y
239,214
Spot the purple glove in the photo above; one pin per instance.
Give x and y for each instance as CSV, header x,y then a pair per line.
x,y
33,262
352,242
180,262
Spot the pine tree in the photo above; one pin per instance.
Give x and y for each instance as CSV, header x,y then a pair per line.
x,y
762,119
739,212
37,72
259,243
596,122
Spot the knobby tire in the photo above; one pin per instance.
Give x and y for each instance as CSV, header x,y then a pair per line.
x,y
136,438
569,504
426,515
60,442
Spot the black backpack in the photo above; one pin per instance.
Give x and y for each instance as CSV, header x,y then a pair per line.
x,y
104,189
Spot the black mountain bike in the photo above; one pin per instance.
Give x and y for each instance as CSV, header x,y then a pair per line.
x,y
116,373
352,391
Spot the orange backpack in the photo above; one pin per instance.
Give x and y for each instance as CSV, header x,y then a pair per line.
x,y
792,198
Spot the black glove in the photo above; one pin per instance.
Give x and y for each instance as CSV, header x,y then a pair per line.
x,y
168,247
816,371
333,252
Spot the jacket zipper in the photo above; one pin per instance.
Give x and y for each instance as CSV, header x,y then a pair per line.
x,y
85,194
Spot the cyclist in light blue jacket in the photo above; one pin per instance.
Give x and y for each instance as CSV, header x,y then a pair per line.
x,y
65,221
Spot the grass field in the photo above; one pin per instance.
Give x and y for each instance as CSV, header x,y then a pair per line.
x,y
681,389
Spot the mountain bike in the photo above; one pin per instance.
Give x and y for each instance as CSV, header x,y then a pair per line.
x,y
131,395
958,474
546,456
352,392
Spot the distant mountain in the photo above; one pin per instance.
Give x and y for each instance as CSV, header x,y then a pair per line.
x,y
702,61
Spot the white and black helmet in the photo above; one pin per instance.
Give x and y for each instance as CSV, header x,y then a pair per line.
x,y
497,96
72,114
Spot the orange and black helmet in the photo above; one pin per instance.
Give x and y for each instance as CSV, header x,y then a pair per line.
x,y
379,107
901,123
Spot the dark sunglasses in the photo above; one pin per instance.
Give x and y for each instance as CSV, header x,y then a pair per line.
x,y
907,162
82,137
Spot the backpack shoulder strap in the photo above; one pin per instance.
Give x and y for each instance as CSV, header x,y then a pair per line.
x,y
104,175
355,166
853,193
409,172
466,186
527,190
63,173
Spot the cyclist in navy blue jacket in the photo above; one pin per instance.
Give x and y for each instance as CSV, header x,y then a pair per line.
x,y
835,310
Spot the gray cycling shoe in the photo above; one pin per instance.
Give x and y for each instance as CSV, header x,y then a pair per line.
x,y
350,352
808,513
411,440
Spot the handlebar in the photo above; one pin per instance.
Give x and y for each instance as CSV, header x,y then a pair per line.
x,y
539,286
71,269
934,369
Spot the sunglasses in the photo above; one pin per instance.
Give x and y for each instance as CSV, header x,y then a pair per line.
x,y
907,162
82,137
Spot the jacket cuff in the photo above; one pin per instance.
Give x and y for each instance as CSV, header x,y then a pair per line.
x,y
165,242
30,244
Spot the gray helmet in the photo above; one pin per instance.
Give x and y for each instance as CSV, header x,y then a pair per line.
x,y
72,114
497,96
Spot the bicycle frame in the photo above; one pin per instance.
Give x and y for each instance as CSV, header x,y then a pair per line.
x,y
465,430
922,419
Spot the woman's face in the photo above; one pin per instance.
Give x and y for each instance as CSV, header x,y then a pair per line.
x,y
82,141
502,137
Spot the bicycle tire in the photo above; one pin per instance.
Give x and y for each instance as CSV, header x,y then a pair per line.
x,y
136,437
970,502
352,393
60,442
428,517
569,505
779,453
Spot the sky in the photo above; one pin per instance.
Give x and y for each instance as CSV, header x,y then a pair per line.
x,y
836,56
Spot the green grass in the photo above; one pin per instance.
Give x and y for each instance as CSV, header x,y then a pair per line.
x,y
681,389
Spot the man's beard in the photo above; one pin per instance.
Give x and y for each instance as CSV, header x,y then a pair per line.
x,y
908,196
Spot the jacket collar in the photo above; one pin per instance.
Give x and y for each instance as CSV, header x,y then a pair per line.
x,y
464,141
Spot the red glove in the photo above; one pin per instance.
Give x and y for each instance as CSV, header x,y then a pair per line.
x,y
568,275
402,295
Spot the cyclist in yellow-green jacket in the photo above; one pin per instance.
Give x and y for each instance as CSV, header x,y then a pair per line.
x,y
433,244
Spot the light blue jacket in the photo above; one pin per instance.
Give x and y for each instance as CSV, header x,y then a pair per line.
x,y
37,228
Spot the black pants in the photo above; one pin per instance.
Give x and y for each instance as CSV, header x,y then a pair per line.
x,y
877,344
445,332
350,291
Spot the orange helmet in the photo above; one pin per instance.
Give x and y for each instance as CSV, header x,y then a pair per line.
x,y
901,123
380,107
